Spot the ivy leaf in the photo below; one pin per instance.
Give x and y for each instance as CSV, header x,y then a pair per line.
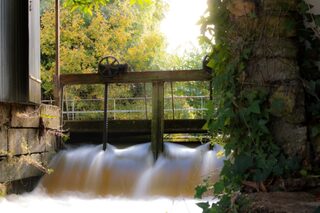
x,y
218,187
203,205
290,24
262,124
277,170
205,126
303,7
317,20
277,106
315,130
246,53
261,175
255,107
200,189
211,63
243,162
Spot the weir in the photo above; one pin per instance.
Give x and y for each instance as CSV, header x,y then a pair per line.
x,y
133,172
157,78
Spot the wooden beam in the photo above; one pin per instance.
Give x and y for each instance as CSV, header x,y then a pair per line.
x,y
157,122
136,77
127,127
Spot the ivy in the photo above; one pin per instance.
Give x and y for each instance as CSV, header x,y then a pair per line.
x,y
240,114
310,57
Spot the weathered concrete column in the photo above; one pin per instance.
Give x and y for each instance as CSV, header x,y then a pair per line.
x,y
273,65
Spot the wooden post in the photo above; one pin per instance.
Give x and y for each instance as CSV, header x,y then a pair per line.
x,y
60,144
157,124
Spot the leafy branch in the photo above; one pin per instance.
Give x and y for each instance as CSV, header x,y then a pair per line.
x,y
87,6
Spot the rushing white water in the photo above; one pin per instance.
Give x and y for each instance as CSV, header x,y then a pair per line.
x,y
122,180
40,203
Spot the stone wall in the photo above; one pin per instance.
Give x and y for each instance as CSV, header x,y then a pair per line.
x,y
27,140
273,66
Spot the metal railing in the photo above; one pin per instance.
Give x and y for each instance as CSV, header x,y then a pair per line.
x,y
176,107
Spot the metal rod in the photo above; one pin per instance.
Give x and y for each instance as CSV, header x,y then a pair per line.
x,y
172,100
60,144
105,118
67,105
145,100
114,109
73,112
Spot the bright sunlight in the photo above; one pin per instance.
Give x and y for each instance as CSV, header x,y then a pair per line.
x,y
180,24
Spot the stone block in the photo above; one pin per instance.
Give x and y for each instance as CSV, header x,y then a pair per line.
x,y
24,141
4,114
271,70
279,5
50,116
292,99
20,167
46,158
241,7
275,47
49,139
292,138
3,141
266,26
25,116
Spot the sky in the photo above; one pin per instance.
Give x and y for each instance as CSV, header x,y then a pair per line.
x,y
180,24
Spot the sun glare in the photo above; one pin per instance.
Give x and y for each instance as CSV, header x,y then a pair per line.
x,y
180,24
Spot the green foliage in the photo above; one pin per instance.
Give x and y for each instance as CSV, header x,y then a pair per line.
x,y
127,32
240,114
310,52
87,6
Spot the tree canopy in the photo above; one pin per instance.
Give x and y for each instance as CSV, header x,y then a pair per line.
x,y
126,31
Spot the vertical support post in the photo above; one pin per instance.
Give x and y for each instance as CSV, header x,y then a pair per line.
x,y
57,86
105,118
73,112
202,107
157,124
60,105
66,101
172,100
145,101
114,108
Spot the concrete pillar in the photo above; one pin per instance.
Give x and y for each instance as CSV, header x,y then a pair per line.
x,y
273,65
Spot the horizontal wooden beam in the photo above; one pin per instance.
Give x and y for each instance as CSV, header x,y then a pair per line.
x,y
136,77
136,126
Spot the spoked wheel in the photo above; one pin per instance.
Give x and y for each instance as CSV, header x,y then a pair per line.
x,y
106,64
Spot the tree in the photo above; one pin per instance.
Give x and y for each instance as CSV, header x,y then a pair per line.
x,y
128,32
86,6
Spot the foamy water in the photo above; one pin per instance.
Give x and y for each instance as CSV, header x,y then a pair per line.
x,y
121,180
39,202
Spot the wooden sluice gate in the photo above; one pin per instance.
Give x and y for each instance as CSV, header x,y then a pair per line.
x,y
157,127
128,132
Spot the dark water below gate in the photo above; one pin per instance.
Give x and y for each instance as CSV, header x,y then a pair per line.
x,y
122,180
